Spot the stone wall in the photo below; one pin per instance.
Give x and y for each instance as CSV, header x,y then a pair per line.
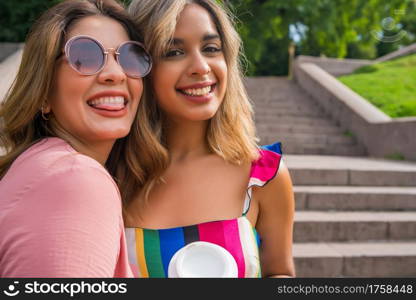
x,y
8,71
7,49
381,135
335,66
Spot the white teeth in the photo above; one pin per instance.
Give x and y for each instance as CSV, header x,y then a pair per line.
x,y
107,100
198,92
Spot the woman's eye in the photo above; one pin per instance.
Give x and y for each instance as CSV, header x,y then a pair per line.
x,y
173,53
212,49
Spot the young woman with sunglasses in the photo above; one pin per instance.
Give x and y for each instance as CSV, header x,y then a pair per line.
x,y
68,114
213,187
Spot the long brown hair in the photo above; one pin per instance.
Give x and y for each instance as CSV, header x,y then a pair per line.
x,y
22,122
231,132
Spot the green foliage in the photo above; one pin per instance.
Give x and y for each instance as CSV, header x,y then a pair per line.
x,y
390,86
407,26
16,17
333,28
368,69
264,28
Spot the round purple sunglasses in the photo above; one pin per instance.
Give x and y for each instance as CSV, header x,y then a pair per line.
x,y
87,56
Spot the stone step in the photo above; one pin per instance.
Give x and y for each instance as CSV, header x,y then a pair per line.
x,y
354,171
258,82
315,149
276,112
334,226
292,120
305,139
334,149
298,128
371,259
285,104
293,102
354,198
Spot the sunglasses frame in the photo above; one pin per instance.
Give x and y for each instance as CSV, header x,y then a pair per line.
x,y
106,52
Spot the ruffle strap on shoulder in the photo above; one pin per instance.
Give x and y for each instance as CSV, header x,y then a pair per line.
x,y
265,168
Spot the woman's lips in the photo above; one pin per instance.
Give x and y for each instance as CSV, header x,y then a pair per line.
x,y
197,92
109,106
110,113
201,94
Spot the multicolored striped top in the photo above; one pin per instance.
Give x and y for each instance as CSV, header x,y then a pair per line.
x,y
150,250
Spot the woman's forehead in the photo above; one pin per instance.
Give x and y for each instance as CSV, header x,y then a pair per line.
x,y
195,19
106,30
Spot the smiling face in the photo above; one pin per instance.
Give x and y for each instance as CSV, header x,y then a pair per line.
x,y
190,79
98,107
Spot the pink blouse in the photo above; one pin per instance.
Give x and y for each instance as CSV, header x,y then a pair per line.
x,y
60,216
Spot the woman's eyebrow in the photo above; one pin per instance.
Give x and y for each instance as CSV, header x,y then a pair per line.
x,y
177,41
210,36
206,37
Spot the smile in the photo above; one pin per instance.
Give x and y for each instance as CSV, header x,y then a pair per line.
x,y
198,92
108,103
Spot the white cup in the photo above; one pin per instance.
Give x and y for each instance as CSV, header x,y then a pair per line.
x,y
202,259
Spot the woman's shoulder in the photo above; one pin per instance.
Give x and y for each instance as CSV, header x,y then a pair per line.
x,y
53,155
72,205
53,162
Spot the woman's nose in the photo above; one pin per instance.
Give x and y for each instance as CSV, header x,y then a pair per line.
x,y
199,65
112,71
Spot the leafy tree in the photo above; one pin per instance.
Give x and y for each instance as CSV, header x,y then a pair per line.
x,y
334,28
16,17
404,30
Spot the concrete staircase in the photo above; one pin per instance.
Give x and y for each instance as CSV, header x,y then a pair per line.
x,y
283,112
355,216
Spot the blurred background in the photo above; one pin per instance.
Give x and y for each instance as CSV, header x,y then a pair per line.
x,y
331,28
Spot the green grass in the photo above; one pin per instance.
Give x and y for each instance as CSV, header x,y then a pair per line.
x,y
348,133
391,85
395,156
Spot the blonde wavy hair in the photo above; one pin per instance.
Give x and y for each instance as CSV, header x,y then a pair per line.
x,y
21,116
231,132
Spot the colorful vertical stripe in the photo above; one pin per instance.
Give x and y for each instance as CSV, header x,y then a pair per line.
x,y
131,243
248,236
225,234
152,250
141,260
171,240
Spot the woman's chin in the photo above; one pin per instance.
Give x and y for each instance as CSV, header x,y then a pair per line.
x,y
200,117
111,135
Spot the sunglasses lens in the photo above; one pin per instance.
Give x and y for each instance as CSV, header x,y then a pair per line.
x,y
86,56
134,60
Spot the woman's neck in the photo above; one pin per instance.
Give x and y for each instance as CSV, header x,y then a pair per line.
x,y
187,140
98,150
